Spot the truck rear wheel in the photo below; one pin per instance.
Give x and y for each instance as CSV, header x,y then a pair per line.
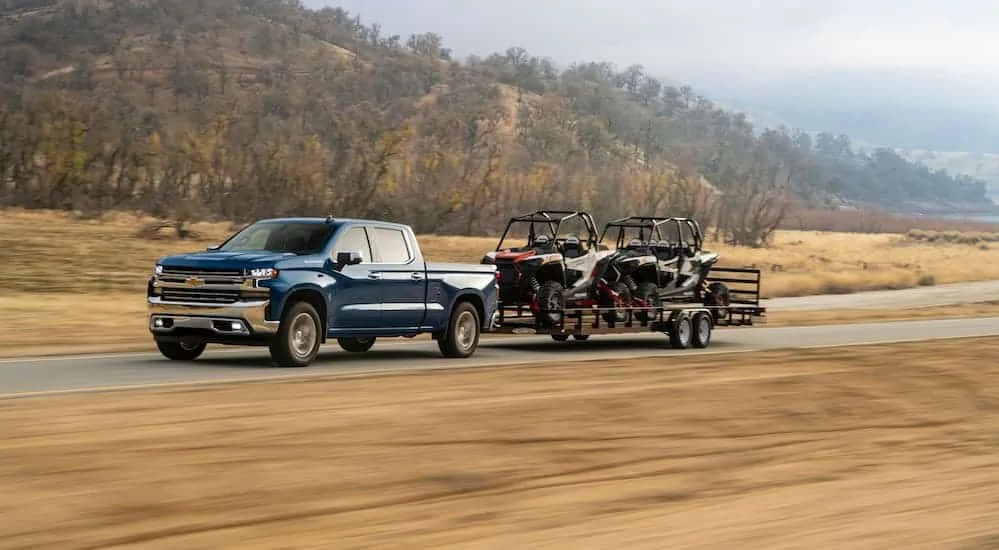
x,y
297,341
356,345
181,351
462,335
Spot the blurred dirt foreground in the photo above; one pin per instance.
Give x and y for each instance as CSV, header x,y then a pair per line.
x,y
867,447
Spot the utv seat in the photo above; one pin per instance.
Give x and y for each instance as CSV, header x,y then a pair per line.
x,y
572,248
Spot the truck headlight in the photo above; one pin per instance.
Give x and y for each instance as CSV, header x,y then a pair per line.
x,y
158,270
263,273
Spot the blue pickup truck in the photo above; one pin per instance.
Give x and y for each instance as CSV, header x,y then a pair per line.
x,y
290,284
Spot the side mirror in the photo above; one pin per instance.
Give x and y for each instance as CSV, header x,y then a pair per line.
x,y
212,247
344,259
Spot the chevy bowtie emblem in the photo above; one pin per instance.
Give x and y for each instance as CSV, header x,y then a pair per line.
x,y
193,281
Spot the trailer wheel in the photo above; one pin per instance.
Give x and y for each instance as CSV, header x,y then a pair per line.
x,y
702,329
580,337
681,333
356,345
560,337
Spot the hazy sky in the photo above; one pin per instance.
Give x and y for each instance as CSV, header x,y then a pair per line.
x,y
685,38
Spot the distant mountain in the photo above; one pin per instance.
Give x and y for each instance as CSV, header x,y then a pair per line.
x,y
906,108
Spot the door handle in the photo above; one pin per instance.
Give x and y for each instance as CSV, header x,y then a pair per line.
x,y
416,275
374,275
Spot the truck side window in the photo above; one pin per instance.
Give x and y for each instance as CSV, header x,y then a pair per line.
x,y
354,240
392,246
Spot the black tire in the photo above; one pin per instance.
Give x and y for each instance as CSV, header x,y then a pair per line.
x,y
552,301
580,337
356,345
718,295
560,337
702,325
681,332
463,330
617,316
647,292
180,351
297,341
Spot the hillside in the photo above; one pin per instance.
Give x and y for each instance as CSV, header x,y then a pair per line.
x,y
236,109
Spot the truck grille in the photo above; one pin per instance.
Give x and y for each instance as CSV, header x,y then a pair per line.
x,y
200,296
212,286
209,276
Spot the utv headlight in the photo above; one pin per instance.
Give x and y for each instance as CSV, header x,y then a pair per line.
x,y
262,273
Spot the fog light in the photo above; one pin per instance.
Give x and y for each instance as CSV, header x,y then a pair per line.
x,y
236,326
158,323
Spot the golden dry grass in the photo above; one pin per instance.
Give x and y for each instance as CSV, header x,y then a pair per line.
x,y
889,446
45,252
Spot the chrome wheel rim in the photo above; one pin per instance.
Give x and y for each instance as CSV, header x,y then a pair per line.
x,y
704,328
683,330
465,330
303,335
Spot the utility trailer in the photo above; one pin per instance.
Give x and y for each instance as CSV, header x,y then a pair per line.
x,y
686,323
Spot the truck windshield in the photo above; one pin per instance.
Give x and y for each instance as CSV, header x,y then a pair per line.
x,y
294,237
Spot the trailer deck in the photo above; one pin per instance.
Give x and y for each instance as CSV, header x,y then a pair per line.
x,y
687,322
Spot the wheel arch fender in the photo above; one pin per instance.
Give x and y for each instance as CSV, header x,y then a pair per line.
x,y
311,293
476,299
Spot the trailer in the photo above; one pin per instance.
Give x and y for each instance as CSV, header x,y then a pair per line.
x,y
686,323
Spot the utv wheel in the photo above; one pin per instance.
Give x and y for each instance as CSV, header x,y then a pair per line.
x,y
717,295
181,351
552,303
462,335
680,334
617,315
297,341
648,293
356,345
560,337
702,326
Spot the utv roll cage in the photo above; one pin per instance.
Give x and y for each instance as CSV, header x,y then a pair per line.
x,y
655,230
553,221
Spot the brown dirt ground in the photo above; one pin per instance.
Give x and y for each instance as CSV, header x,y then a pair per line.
x,y
865,447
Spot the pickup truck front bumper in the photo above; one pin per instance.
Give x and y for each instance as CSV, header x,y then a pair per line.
x,y
241,319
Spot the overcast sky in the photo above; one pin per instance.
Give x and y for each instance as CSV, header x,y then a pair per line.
x,y
685,38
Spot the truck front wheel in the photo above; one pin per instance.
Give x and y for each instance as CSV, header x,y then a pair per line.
x,y
356,345
182,350
462,334
297,342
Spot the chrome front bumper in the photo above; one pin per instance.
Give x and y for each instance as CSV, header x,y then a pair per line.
x,y
239,319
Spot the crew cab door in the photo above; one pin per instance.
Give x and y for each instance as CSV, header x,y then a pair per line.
x,y
356,302
402,277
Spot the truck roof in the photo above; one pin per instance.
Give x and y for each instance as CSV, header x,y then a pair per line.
x,y
381,223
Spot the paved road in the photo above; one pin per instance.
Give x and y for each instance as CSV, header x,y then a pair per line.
x,y
54,374
939,295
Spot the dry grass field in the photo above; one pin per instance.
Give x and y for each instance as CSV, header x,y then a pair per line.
x,y
46,252
832,448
